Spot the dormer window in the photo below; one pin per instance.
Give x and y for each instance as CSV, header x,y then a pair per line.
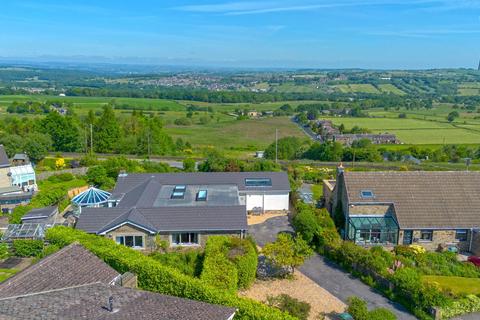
x,y
202,195
367,194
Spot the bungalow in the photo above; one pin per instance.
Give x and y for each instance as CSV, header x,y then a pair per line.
x,y
73,283
183,209
437,210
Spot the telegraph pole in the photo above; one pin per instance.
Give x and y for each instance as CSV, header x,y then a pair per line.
x,y
276,145
91,139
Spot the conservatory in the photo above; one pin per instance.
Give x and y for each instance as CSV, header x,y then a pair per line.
x,y
373,230
92,198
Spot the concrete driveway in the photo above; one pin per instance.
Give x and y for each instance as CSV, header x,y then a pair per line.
x,y
325,273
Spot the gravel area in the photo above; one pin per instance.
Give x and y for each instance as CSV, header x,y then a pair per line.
x,y
251,219
301,288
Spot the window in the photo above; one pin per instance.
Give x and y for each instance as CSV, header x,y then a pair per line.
x,y
461,235
367,194
130,241
179,192
202,195
258,182
186,238
426,235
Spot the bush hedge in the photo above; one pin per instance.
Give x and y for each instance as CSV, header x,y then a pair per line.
x,y
155,277
188,262
27,248
230,263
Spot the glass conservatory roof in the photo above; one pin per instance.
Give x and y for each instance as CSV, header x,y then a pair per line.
x,y
90,197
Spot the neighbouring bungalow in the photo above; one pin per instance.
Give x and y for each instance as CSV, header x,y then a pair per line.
x,y
73,283
12,196
41,215
437,210
185,208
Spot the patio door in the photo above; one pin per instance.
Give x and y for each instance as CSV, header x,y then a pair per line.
x,y
407,236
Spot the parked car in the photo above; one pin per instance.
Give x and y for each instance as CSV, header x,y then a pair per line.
x,y
474,260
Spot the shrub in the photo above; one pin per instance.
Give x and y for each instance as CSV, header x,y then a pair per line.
x,y
4,253
27,248
470,303
357,308
287,252
381,314
220,272
183,122
188,262
286,303
244,255
155,277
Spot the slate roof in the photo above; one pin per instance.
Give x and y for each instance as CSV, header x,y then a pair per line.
x,y
71,266
90,302
20,156
3,158
422,199
168,219
39,214
130,181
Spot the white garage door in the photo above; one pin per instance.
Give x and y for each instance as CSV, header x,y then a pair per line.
x,y
276,202
254,200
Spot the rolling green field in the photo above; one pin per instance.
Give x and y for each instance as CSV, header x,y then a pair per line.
x,y
237,138
426,127
469,89
366,88
390,88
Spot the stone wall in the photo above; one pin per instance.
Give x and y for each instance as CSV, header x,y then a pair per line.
x,y
149,240
440,238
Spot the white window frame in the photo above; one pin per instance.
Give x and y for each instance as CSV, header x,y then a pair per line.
x,y
184,244
462,231
134,242
426,240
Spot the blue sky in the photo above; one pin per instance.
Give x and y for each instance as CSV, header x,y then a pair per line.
x,y
286,33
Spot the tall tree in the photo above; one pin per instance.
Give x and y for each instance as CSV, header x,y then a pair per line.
x,y
63,130
107,131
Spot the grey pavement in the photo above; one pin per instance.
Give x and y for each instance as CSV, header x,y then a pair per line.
x,y
328,275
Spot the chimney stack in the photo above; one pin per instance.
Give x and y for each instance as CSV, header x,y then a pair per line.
x,y
110,307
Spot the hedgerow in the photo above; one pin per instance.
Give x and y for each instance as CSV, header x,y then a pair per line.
x,y
27,247
155,277
230,262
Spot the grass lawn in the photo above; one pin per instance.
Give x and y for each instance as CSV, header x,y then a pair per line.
x,y
317,190
456,285
365,88
7,273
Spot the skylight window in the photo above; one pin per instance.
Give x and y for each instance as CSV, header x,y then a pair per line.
x,y
179,192
258,182
202,195
367,194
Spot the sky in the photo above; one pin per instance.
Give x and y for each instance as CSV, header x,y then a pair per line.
x,y
378,34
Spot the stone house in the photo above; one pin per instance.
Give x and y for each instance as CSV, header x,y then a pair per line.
x,y
437,210
184,209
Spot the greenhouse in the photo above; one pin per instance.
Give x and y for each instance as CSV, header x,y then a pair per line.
x,y
92,197
372,230
25,231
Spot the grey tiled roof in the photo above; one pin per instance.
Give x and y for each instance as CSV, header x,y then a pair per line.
x,y
3,158
218,218
71,266
90,302
279,180
39,213
422,199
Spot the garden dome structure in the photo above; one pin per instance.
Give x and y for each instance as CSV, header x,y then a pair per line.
x,y
92,197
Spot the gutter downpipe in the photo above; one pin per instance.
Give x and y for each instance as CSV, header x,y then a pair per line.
x,y
471,240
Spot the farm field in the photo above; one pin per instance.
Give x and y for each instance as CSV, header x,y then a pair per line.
x,y
390,88
469,89
416,131
236,138
366,88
